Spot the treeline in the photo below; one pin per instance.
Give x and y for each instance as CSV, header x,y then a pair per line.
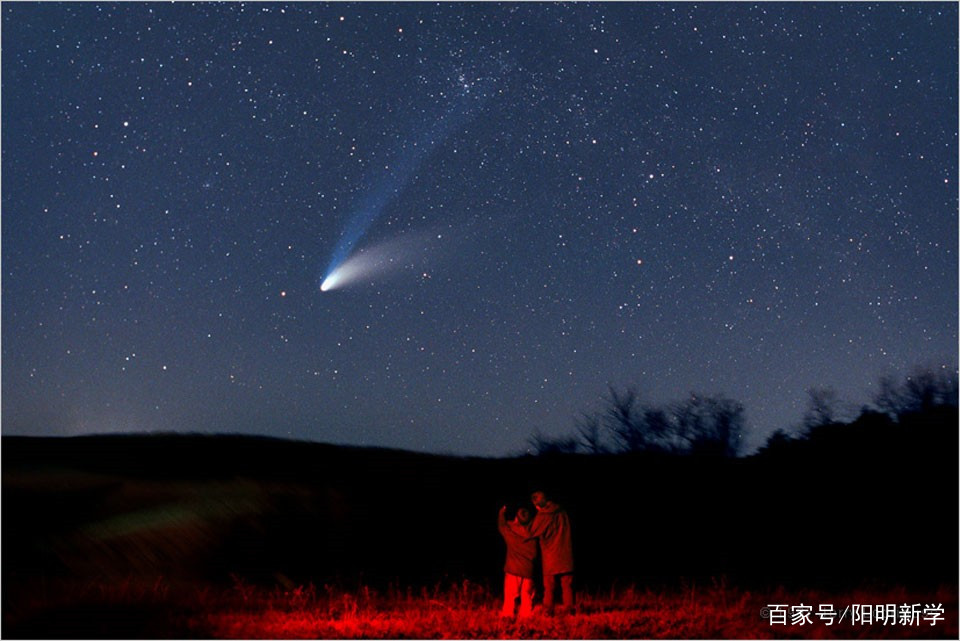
x,y
714,425
841,503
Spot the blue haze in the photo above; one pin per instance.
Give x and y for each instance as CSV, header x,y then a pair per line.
x,y
375,200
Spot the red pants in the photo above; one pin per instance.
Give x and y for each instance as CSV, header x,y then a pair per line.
x,y
550,586
517,586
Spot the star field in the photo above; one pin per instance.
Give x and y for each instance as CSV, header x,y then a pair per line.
x,y
742,199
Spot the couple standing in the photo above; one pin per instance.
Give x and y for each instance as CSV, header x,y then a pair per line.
x,y
551,528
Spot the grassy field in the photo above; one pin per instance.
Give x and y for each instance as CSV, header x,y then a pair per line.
x,y
137,609
237,527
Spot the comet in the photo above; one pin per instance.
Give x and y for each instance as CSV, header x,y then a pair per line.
x,y
381,260
345,267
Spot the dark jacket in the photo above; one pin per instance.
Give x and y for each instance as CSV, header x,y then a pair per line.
x,y
521,549
552,526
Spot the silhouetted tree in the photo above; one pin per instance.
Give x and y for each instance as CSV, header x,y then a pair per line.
x,y
712,425
700,424
662,429
590,435
622,417
778,441
921,391
542,444
638,427
822,407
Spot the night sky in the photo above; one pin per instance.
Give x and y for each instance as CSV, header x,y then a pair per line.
x,y
534,202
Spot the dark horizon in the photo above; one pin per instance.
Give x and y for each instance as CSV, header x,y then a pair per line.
x,y
943,381
197,536
301,510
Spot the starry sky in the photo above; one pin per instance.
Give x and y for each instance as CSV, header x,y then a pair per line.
x,y
737,199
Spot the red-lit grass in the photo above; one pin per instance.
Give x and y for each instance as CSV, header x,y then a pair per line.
x,y
140,609
468,611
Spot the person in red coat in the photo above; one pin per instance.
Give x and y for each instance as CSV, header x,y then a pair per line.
x,y
551,526
518,570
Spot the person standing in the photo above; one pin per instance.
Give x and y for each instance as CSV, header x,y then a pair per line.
x,y
551,526
518,571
